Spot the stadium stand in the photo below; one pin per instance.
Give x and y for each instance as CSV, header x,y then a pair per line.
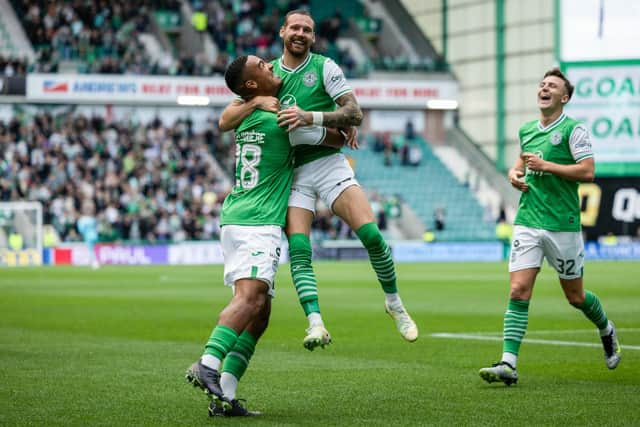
x,y
427,188
91,37
53,160
154,182
157,37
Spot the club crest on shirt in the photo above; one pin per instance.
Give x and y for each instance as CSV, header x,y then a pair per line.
x,y
310,78
556,138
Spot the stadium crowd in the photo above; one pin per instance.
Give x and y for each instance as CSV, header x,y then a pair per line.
x,y
155,182
150,182
103,37
11,66
245,28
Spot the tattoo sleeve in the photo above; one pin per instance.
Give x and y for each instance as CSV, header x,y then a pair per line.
x,y
347,114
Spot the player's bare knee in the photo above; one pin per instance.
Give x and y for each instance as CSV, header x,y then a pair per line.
x,y
519,291
575,299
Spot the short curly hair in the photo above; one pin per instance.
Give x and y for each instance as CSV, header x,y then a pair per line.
x,y
234,75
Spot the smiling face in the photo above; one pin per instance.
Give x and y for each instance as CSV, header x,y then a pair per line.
x,y
552,94
259,77
298,34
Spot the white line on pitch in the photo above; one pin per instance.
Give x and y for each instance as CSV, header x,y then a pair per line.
x,y
559,332
527,340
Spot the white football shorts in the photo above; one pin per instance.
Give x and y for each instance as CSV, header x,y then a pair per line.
x,y
326,178
251,252
564,250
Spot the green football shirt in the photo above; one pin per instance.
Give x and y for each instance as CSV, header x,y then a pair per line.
x,y
264,170
552,203
313,86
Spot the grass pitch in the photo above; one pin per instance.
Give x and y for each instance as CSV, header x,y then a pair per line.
x,y
110,347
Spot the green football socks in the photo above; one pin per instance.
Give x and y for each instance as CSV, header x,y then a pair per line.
x,y
304,278
593,310
236,363
516,319
238,358
221,341
379,256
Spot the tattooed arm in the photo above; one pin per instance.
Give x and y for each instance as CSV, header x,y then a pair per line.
x,y
348,114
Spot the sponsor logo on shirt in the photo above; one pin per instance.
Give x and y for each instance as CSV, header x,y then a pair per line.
x,y
250,137
287,101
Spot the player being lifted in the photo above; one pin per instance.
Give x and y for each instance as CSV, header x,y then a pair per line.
x,y
556,156
312,86
253,215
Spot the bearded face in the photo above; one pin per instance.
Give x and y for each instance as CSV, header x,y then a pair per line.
x,y
298,34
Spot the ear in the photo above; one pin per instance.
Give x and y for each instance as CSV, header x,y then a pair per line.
x,y
564,99
251,84
281,32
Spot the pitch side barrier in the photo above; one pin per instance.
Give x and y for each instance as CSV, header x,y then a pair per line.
x,y
210,252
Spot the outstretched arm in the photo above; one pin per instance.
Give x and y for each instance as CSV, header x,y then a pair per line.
x,y
238,110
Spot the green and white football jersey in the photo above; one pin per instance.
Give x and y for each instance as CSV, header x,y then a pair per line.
x,y
313,86
552,203
264,170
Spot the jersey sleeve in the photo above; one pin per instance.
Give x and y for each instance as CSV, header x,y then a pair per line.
x,y
335,82
307,135
580,143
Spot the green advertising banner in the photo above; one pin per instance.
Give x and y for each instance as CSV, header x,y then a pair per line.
x,y
607,100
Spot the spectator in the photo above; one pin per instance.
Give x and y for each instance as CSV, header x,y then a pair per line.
x,y
16,242
409,133
414,156
104,36
439,218
152,182
10,67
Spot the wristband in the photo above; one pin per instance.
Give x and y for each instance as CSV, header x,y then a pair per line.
x,y
318,118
